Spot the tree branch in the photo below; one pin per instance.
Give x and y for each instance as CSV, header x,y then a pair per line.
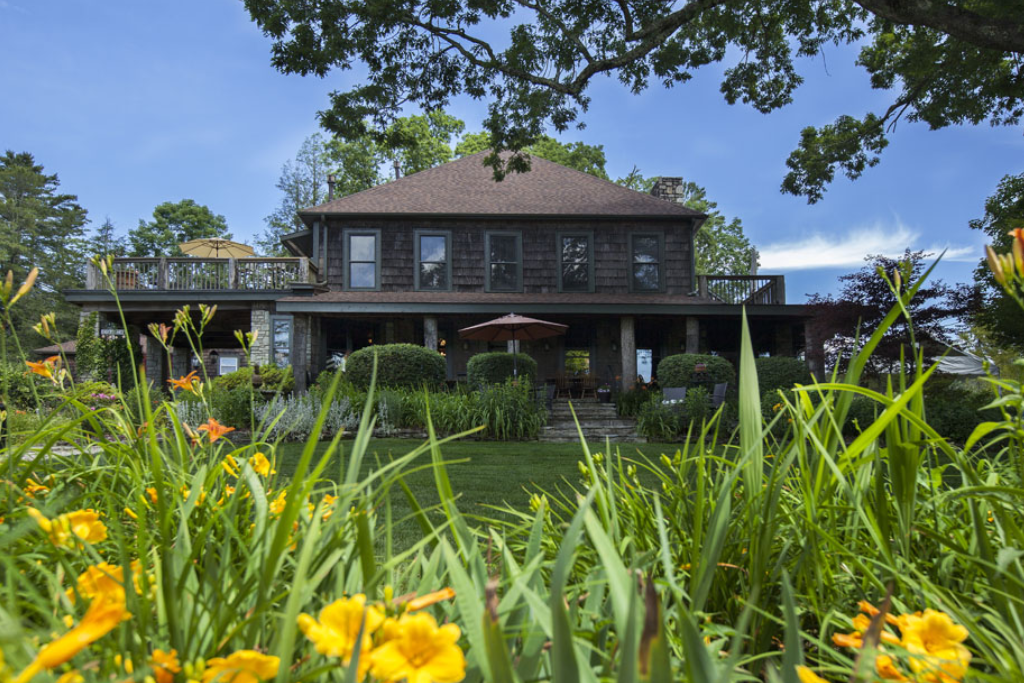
x,y
1004,35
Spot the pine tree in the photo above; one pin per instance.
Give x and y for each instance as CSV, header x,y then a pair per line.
x,y
41,228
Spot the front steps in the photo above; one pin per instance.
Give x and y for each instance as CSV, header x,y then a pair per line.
x,y
597,420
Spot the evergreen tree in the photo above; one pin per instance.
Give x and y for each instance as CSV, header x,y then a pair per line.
x,y
42,228
106,241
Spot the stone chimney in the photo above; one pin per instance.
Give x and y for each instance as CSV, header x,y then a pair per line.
x,y
669,189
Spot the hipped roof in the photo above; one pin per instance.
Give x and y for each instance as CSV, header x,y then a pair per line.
x,y
466,186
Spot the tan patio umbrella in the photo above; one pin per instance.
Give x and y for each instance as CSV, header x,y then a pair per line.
x,y
515,328
215,247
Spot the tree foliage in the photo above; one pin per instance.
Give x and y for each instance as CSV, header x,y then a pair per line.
x,y
996,311
946,61
40,228
172,224
867,297
578,155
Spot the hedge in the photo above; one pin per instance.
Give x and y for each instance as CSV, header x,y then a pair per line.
x,y
398,365
496,367
677,370
780,372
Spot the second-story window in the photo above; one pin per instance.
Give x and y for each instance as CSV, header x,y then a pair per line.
x,y
575,262
645,253
504,262
362,259
433,261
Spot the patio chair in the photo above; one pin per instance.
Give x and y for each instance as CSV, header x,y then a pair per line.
x,y
673,394
718,395
563,385
588,383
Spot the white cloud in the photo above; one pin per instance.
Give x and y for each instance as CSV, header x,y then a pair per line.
x,y
845,249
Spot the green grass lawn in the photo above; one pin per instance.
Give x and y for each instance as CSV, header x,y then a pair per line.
x,y
492,474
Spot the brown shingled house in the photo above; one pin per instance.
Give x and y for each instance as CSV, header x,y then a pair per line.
x,y
416,259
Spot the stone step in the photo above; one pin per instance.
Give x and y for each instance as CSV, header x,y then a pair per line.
x,y
591,438
589,433
608,422
585,411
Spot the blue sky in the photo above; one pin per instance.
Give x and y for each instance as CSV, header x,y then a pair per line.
x,y
136,103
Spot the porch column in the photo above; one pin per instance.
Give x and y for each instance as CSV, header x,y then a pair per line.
x,y
627,343
692,335
259,322
389,332
155,357
300,351
513,346
430,332
783,340
814,351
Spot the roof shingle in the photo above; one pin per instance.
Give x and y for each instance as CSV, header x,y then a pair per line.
x,y
466,186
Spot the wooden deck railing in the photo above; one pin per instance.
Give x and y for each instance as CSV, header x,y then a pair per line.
x,y
753,290
185,273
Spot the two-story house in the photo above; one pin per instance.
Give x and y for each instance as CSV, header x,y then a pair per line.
x,y
417,259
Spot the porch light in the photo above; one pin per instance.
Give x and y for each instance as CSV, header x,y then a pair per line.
x,y
615,346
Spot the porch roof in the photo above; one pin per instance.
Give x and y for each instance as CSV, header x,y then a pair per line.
x,y
505,302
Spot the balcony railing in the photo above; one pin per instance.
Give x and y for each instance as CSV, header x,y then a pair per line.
x,y
753,290
178,274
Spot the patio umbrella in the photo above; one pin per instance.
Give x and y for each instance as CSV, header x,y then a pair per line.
x,y
215,247
515,328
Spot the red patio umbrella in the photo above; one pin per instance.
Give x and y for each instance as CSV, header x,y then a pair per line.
x,y
515,328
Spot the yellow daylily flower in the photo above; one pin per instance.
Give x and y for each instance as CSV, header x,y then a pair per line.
x,y
244,666
85,524
807,676
429,599
277,505
261,465
71,677
935,644
337,631
420,651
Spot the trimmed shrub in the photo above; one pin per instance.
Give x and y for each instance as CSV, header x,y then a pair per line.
x,y
233,407
780,372
398,365
495,367
272,379
677,370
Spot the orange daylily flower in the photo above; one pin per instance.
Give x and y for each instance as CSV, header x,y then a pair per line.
x,y
165,665
104,614
44,368
214,429
187,382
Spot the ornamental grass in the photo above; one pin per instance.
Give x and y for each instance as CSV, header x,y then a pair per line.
x,y
135,546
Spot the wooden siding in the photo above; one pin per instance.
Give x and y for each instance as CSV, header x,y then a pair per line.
x,y
540,257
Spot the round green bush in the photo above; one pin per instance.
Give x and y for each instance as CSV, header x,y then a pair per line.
x,y
780,372
398,365
495,367
677,370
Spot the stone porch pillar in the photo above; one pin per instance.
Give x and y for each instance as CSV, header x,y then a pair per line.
x,y
513,346
155,357
814,351
300,351
692,335
430,332
627,344
260,324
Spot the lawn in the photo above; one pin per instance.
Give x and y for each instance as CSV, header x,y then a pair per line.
x,y
484,474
